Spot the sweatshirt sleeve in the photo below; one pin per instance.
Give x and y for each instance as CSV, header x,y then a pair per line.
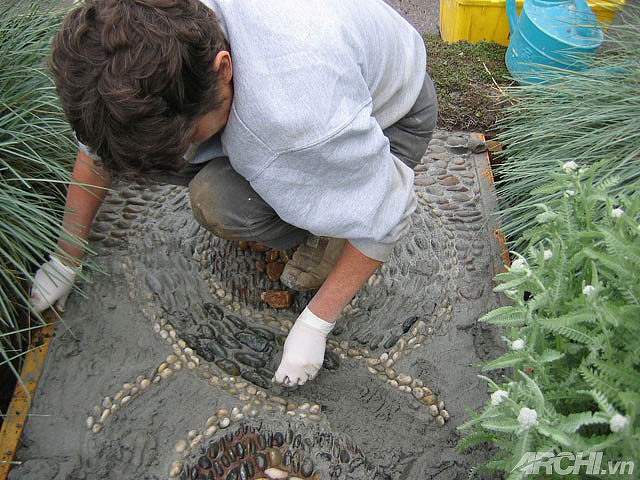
x,y
348,185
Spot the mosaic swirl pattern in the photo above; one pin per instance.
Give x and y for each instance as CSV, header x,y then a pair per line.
x,y
203,296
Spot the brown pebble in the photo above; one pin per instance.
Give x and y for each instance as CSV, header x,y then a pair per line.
x,y
275,457
284,257
119,233
277,298
129,215
243,244
274,270
424,181
449,180
430,399
259,247
96,236
261,266
272,256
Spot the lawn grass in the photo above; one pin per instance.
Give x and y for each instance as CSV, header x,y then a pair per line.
x,y
465,76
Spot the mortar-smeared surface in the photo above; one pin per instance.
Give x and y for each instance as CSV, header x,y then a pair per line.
x,y
168,370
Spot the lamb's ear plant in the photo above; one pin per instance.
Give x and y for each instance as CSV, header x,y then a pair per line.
x,y
36,151
572,116
573,330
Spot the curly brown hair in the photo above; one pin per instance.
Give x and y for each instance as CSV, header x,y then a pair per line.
x,y
134,75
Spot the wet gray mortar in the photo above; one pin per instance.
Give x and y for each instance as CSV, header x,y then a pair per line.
x,y
403,362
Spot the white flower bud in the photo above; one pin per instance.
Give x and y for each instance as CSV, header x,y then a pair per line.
x,y
617,212
545,217
498,396
517,344
569,193
618,423
527,418
569,167
518,264
588,290
547,254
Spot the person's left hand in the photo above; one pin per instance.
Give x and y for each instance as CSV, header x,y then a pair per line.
x,y
303,350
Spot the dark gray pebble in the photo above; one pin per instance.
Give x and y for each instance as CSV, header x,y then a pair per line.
x,y
256,379
254,342
153,283
215,348
204,462
228,341
391,341
237,322
250,359
229,367
331,360
408,323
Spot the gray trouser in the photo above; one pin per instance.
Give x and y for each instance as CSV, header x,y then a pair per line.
x,y
226,204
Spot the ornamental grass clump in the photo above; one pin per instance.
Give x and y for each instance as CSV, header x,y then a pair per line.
x,y
573,333
573,116
36,150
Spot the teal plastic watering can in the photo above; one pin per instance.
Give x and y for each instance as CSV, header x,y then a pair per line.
x,y
558,33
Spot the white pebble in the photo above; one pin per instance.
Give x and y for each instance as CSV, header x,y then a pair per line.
x,y
114,408
96,428
156,327
211,420
191,365
192,434
125,400
166,373
196,441
118,395
181,343
128,386
180,446
275,473
211,430
404,379
90,421
144,384
105,415
164,334
171,359
175,468
177,365
225,422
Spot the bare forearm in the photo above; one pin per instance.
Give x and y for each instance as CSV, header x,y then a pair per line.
x,y
84,198
348,276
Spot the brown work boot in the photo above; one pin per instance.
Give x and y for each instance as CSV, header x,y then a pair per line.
x,y
311,263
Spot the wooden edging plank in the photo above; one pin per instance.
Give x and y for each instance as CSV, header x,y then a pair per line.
x,y
21,401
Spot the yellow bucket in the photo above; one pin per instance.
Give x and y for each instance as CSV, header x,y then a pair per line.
x,y
477,21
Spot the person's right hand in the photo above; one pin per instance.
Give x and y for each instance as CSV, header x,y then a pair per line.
x,y
52,284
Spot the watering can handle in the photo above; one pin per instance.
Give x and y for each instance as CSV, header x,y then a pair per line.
x,y
512,15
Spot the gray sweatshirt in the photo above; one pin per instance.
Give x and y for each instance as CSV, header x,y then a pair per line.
x,y
315,83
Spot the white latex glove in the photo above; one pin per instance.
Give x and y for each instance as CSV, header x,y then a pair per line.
x,y
303,350
52,283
